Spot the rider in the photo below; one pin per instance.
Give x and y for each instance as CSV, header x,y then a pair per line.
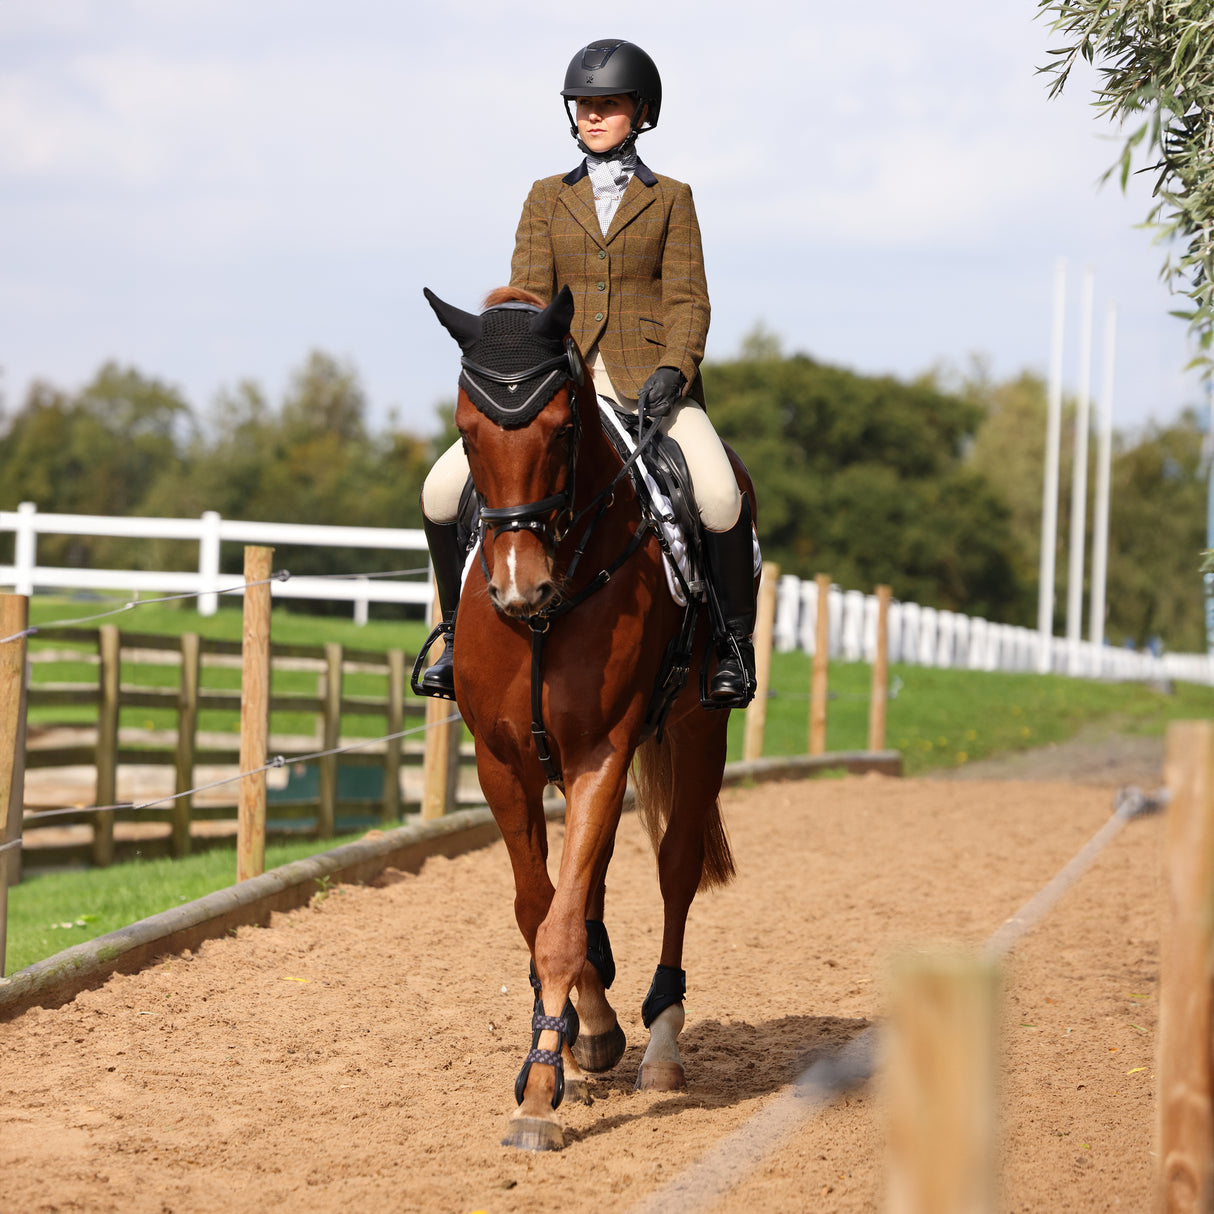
x,y
627,243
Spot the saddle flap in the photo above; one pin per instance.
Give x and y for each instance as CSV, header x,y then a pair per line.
x,y
663,486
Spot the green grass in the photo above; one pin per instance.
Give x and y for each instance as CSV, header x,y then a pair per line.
x,y
947,718
53,911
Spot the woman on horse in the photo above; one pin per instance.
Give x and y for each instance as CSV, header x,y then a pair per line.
x,y
627,243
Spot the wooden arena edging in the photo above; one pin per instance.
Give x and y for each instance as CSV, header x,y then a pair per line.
x,y
58,979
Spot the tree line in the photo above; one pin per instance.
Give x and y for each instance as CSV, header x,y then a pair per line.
x,y
933,486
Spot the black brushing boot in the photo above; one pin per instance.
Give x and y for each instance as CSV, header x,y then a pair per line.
x,y
730,559
448,563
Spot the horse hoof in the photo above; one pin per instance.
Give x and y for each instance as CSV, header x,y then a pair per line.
x,y
661,1077
577,1091
601,1053
533,1134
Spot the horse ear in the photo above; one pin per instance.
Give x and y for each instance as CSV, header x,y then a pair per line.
x,y
555,319
463,326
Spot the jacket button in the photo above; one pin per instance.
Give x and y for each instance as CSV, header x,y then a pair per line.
x,y
602,286
598,316
602,254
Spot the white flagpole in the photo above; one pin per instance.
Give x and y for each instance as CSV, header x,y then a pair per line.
x,y
1104,459
1049,493
1079,484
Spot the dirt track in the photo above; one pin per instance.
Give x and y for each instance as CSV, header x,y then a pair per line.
x,y
359,1054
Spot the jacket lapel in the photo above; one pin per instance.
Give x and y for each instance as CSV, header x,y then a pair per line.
x,y
636,198
579,201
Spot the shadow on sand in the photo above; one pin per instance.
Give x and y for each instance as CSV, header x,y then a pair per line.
x,y
728,1063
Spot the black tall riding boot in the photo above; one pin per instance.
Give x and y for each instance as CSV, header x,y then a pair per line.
x,y
730,559
448,563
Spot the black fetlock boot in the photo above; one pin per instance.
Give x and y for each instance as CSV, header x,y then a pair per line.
x,y
730,559
448,563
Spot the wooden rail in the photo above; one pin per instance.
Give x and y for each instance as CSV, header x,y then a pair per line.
x,y
125,663
123,684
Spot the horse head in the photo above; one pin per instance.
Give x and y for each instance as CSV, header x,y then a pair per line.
x,y
518,419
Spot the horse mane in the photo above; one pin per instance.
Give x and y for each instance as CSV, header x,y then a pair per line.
x,y
502,295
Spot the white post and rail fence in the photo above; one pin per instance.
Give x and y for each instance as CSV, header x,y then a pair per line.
x,y
918,635
206,580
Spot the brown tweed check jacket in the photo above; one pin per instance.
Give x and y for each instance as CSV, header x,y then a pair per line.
x,y
639,291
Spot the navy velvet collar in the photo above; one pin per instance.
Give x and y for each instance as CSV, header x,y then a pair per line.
x,y
642,173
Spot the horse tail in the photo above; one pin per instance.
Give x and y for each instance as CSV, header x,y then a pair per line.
x,y
653,767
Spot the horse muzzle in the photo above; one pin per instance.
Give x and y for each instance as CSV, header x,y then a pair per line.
x,y
522,582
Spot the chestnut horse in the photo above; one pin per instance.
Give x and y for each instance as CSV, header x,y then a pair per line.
x,y
562,627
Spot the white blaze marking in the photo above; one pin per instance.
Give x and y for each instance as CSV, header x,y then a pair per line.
x,y
512,591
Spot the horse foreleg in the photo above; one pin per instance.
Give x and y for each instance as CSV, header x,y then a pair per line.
x,y
680,864
601,1041
594,797
517,806
680,870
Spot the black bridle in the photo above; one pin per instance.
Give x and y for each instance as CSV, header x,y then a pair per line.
x,y
552,518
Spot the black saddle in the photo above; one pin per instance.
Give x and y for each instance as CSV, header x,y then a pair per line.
x,y
664,459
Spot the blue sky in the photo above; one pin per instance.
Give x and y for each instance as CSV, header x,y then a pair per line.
x,y
208,189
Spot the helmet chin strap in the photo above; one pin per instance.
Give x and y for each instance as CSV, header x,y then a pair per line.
x,y
620,148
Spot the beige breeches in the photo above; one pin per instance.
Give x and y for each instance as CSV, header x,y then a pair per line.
x,y
712,481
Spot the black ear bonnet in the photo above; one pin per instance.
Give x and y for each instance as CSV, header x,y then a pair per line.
x,y
516,356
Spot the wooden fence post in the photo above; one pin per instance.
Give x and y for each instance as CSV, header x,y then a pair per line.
x,y
254,713
109,645
455,735
436,763
1186,1000
187,730
765,626
326,822
396,718
821,669
879,696
939,1079
14,618
436,760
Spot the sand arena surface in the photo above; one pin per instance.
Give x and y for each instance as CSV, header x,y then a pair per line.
x,y
359,1054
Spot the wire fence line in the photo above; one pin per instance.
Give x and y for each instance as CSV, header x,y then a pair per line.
x,y
728,1163
280,575
39,816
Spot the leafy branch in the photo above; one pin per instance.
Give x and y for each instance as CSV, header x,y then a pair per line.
x,y
1156,63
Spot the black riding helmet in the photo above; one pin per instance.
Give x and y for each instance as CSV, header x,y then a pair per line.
x,y
610,66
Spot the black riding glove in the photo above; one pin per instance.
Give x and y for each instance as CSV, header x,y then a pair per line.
x,y
661,390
